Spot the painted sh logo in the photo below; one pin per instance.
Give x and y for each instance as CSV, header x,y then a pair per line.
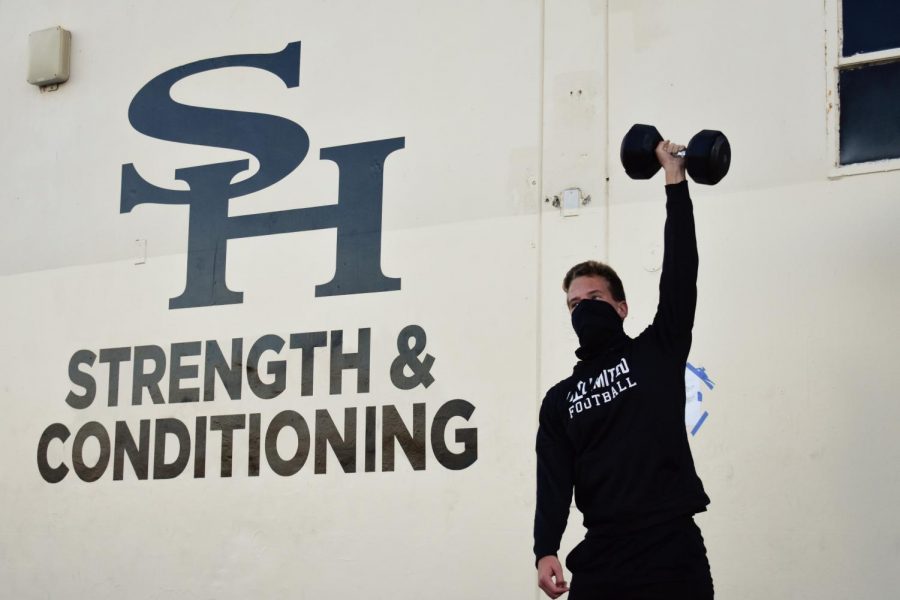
x,y
696,381
279,145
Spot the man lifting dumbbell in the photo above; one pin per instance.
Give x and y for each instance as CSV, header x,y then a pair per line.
x,y
614,432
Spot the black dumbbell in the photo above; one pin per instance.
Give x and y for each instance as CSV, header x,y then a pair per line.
x,y
707,157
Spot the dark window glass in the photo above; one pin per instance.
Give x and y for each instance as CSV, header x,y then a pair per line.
x,y
870,113
871,25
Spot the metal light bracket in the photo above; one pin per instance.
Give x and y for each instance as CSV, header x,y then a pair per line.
x,y
569,201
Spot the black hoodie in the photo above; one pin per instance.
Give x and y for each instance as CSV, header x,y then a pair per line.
x,y
614,430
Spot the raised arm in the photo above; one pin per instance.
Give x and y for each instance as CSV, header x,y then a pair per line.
x,y
678,282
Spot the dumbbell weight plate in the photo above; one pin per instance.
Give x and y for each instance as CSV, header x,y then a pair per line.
x,y
708,157
638,151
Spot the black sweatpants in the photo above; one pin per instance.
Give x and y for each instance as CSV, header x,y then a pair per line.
x,y
663,562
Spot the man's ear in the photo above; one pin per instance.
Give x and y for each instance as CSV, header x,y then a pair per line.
x,y
621,308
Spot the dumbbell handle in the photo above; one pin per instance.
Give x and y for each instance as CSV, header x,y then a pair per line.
x,y
680,153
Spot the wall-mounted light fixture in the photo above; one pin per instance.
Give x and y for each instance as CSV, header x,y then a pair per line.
x,y
48,56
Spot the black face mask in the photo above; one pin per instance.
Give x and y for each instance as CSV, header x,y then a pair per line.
x,y
597,324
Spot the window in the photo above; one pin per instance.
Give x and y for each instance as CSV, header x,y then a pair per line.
x,y
864,85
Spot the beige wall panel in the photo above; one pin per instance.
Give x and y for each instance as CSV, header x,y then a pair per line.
x,y
574,156
796,319
460,228
310,533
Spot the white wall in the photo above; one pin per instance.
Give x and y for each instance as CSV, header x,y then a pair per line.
x,y
795,320
461,204
798,284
